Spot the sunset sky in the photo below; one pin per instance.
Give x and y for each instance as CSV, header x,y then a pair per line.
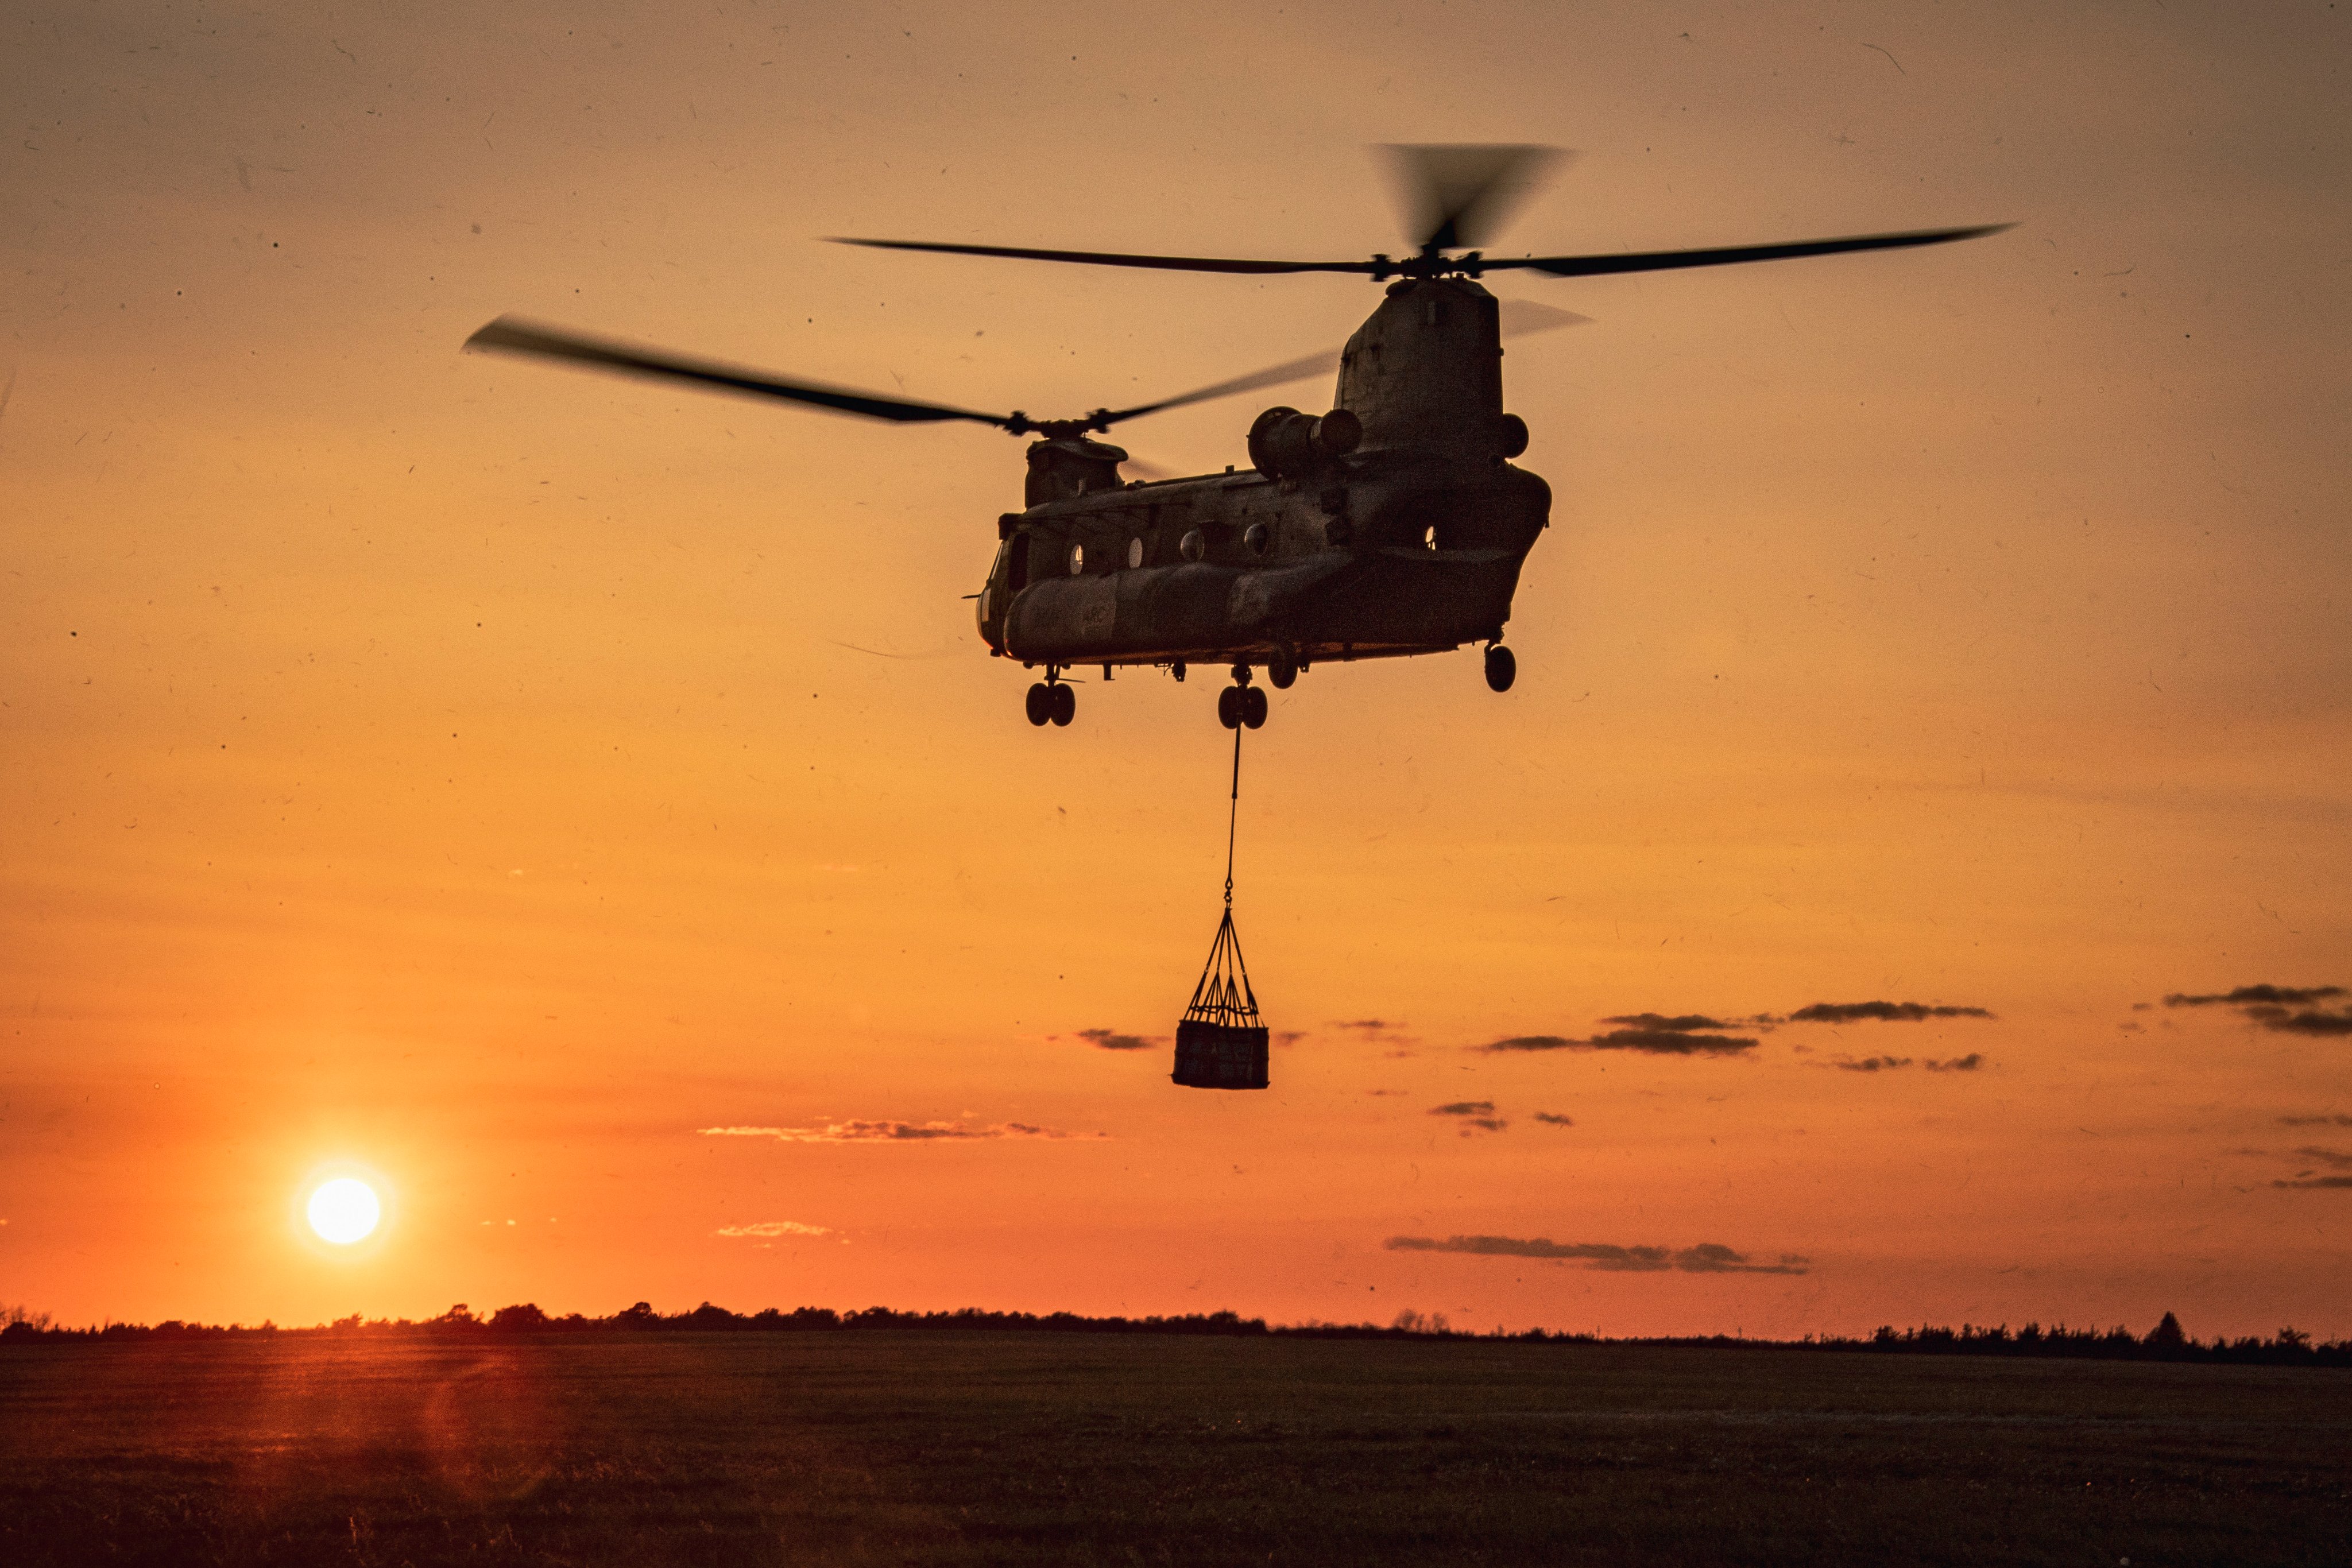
x,y
584,811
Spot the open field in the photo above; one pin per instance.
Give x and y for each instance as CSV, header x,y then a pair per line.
x,y
963,1448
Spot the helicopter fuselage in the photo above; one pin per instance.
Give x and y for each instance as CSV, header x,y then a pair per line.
x,y
1394,525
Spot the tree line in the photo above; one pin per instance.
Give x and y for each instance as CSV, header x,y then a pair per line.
x,y
2165,1342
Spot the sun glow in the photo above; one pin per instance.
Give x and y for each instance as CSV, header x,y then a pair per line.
x,y
344,1210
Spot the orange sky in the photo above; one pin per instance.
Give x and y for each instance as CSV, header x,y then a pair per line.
x,y
488,777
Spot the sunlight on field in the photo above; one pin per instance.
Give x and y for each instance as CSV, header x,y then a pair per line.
x,y
934,1447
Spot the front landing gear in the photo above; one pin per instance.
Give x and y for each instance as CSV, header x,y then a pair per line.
x,y
1049,699
1241,702
1502,669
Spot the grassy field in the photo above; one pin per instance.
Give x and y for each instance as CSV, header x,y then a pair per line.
x,y
967,1448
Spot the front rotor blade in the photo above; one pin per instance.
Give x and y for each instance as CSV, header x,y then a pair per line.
x,y
1458,195
511,336
1114,259
1667,260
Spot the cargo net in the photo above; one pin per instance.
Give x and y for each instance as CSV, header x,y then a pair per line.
x,y
1224,996
1221,1041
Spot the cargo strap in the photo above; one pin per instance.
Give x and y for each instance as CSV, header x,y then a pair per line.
x,y
1233,815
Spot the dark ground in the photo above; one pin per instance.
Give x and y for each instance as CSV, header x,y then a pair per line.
x,y
959,1448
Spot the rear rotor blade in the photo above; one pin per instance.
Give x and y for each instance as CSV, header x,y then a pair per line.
x,y
1667,260
1524,318
1273,376
1520,317
510,335
1115,258
1458,195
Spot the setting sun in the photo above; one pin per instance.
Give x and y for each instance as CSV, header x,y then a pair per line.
x,y
344,1210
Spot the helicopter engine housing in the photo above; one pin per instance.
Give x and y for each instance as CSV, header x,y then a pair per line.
x,y
1284,444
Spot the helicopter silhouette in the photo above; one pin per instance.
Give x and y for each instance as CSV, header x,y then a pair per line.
x,y
1392,525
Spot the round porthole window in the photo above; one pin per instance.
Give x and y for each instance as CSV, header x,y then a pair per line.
x,y
1259,537
1192,546
1134,552
1077,560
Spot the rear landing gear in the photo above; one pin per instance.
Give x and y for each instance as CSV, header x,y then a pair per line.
x,y
1241,703
1050,701
1502,668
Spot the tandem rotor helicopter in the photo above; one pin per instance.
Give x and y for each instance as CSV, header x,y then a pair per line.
x,y
1394,524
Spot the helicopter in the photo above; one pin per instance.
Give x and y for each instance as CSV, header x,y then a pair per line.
x,y
1392,525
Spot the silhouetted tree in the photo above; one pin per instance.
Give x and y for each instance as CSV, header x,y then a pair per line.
x,y
2165,1337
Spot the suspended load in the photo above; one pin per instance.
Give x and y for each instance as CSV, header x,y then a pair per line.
x,y
1221,1040
1220,1043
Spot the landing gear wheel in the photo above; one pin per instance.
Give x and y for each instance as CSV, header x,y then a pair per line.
x,y
1041,703
1253,705
1063,703
1282,669
1502,669
1229,708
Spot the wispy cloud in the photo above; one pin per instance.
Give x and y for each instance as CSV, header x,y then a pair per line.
x,y
2326,1181
2315,1121
1881,1013
1649,1042
1111,1039
1550,1120
2256,996
1679,1023
2284,1021
889,1131
2283,1010
773,1228
1706,1258
1969,1063
1477,1115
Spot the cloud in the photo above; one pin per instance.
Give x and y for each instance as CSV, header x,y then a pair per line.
x,y
1681,1022
1111,1039
773,1228
2268,995
2283,1010
1651,1041
2285,1022
1368,1026
2315,1121
1706,1258
1549,1119
1478,1115
2335,1159
1969,1063
1881,1013
2341,1181
889,1131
